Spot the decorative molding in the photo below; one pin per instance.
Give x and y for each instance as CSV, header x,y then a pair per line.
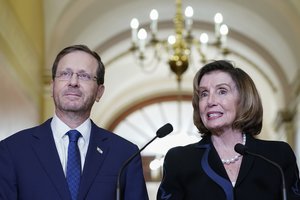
x,y
285,124
145,102
25,61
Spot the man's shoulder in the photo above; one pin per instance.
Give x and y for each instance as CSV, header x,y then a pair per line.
x,y
23,135
113,137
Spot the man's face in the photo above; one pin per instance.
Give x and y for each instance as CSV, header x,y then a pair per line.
x,y
75,88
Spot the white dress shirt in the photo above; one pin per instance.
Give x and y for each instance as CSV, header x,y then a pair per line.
x,y
59,130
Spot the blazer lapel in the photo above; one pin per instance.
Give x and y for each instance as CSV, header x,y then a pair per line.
x,y
97,151
45,149
213,158
214,169
247,162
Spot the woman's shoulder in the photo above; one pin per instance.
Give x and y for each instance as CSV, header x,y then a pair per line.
x,y
184,152
273,144
277,150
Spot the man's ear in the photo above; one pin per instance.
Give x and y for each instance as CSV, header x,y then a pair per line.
x,y
51,86
100,92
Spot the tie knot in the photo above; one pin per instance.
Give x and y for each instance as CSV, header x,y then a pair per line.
x,y
73,135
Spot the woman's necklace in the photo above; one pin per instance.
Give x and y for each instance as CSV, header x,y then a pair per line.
x,y
235,158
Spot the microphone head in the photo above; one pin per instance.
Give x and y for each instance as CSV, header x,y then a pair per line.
x,y
164,130
241,149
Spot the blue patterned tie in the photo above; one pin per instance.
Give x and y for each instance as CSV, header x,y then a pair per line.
x,y
73,164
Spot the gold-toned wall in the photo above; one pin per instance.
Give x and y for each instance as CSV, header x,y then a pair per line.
x,y
22,58
31,18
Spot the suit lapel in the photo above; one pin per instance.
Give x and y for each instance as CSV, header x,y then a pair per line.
x,y
45,149
97,151
213,158
217,166
247,162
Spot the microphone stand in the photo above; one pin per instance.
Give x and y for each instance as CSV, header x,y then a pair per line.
x,y
161,132
243,150
284,197
124,166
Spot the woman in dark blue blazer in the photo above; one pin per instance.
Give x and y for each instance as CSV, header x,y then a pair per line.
x,y
228,111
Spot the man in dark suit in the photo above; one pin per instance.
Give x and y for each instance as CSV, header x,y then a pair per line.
x,y
68,156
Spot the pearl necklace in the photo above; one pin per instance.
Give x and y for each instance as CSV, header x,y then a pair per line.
x,y
235,158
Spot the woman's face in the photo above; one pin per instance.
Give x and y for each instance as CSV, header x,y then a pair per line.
x,y
218,99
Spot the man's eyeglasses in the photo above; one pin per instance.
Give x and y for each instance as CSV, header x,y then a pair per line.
x,y
67,75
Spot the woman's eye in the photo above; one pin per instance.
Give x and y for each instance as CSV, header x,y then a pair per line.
x,y
222,91
203,94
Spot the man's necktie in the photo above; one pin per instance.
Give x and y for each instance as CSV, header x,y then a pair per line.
x,y
73,164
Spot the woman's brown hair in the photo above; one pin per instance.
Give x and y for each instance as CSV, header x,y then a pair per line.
x,y
249,109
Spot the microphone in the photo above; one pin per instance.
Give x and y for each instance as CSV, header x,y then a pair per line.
x,y
243,150
160,133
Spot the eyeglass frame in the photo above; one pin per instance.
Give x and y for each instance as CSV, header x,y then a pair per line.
x,y
84,48
82,76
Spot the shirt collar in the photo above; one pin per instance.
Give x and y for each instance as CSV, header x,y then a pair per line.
x,y
60,128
